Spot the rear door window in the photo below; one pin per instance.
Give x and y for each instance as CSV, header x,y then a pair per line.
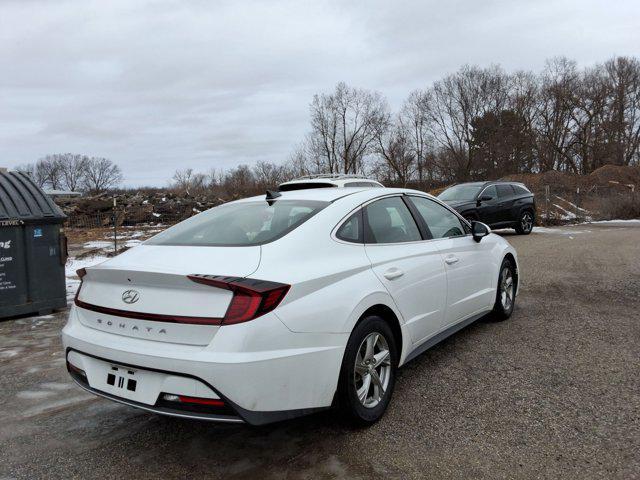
x,y
389,221
504,191
240,224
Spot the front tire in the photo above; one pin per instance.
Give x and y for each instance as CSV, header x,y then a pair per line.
x,y
368,373
525,223
506,291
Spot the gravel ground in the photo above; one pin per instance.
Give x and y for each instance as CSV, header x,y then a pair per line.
x,y
553,392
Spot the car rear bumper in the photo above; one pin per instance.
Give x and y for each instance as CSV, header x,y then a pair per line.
x,y
263,372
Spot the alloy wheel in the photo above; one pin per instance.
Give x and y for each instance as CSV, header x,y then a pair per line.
x,y
526,222
372,369
506,289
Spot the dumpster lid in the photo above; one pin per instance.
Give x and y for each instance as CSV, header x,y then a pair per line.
x,y
22,201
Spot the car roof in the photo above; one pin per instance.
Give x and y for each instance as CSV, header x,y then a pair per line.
x,y
490,182
338,182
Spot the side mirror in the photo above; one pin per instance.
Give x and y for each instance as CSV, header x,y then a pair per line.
x,y
479,230
484,198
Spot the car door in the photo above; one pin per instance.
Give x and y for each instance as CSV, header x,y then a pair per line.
x,y
506,197
470,283
488,209
410,268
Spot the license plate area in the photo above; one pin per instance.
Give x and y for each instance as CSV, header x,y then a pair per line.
x,y
122,378
135,383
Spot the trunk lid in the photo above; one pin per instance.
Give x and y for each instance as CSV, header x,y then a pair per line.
x,y
145,292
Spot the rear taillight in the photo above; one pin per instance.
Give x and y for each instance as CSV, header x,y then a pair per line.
x,y
251,298
81,272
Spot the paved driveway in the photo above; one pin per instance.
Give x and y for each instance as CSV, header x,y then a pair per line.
x,y
553,392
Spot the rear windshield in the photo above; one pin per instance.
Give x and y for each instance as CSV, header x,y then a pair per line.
x,y
287,187
240,224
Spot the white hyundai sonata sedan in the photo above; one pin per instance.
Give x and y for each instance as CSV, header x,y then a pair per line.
x,y
268,308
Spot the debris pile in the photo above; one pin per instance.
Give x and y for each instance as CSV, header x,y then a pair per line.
x,y
134,208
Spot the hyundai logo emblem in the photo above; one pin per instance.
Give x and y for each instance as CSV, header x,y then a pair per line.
x,y
130,296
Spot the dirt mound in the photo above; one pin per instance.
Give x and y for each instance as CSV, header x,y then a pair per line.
x,y
613,175
536,182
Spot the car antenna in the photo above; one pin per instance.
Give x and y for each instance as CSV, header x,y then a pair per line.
x,y
272,195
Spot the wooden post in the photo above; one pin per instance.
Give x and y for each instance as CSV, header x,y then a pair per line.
x,y
115,228
546,200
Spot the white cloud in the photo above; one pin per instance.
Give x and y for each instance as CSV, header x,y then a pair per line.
x,y
158,85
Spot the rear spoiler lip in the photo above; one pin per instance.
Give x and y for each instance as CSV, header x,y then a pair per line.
x,y
154,317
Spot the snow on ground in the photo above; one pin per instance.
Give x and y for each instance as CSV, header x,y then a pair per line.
x,y
559,231
572,204
108,244
125,238
634,220
567,214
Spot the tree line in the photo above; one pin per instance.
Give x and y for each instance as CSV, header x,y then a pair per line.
x,y
474,124
75,172
482,123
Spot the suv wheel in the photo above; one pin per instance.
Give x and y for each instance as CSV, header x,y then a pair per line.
x,y
506,291
525,223
368,373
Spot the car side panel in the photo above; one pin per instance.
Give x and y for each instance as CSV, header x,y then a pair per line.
x,y
471,288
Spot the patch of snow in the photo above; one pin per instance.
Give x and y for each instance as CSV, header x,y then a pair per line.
x,y
157,215
558,231
633,220
572,204
98,244
567,214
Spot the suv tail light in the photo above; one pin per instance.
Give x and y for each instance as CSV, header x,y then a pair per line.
x,y
251,298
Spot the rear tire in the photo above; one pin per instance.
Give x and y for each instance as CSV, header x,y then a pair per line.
x,y
368,372
506,291
525,223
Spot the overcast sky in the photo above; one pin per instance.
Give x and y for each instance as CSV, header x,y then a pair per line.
x,y
160,85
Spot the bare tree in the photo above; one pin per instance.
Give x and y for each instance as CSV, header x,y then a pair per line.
x,y
393,146
556,115
49,169
72,169
454,103
101,174
413,119
622,128
239,182
343,127
268,175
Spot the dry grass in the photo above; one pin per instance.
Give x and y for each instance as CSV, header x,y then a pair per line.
x,y
620,207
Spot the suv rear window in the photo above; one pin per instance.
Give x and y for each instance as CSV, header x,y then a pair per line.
x,y
362,184
304,185
520,190
240,224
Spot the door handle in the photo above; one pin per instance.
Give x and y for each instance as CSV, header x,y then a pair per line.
x,y
393,273
451,259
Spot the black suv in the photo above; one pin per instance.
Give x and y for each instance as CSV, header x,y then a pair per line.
x,y
498,204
